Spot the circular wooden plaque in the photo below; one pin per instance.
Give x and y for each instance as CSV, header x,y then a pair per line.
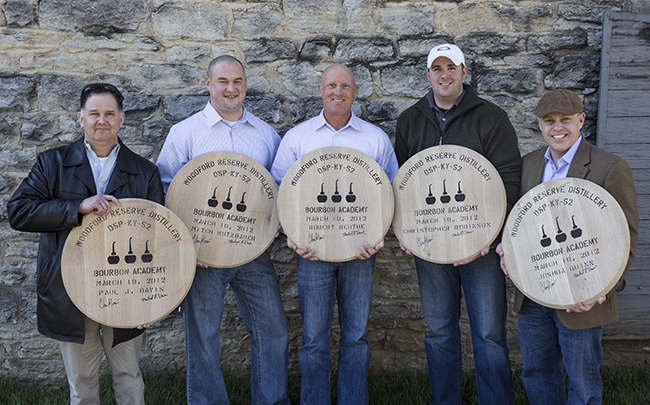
x,y
450,204
228,202
335,200
131,267
566,241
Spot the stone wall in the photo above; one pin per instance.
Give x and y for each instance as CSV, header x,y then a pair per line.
x,y
157,51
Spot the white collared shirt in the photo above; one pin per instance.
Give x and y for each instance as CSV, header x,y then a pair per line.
x,y
550,171
206,131
101,167
316,133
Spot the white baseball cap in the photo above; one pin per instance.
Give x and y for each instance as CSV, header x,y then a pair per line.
x,y
447,50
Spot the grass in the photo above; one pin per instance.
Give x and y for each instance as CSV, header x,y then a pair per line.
x,y
622,386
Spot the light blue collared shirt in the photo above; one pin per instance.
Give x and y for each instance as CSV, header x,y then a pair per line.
x,y
101,167
550,171
316,133
206,131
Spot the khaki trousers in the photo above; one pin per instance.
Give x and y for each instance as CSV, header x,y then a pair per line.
x,y
82,363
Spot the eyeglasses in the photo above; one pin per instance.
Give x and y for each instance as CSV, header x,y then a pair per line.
x,y
92,87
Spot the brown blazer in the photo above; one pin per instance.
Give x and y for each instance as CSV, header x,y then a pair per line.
x,y
613,174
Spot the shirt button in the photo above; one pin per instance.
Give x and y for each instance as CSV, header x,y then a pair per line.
x,y
444,119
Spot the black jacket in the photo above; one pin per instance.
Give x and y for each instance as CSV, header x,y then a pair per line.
x,y
47,201
475,124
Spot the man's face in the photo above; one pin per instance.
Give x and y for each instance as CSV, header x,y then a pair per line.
x,y
226,83
338,91
101,120
446,81
561,131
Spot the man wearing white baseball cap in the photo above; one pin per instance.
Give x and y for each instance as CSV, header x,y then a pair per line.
x,y
452,113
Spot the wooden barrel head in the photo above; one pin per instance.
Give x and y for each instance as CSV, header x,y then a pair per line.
x,y
566,241
450,204
228,202
335,200
131,267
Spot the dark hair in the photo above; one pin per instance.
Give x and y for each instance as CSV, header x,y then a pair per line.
x,y
101,88
226,59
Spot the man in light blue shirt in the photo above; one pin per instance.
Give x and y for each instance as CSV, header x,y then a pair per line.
x,y
225,125
320,283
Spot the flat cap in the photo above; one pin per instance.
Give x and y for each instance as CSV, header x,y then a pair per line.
x,y
559,101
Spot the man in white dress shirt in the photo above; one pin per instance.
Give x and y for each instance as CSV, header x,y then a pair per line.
x,y
225,125
319,282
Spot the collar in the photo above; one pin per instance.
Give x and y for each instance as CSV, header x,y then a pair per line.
x,y
432,102
213,117
567,158
354,122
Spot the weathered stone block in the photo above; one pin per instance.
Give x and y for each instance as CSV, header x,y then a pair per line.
x,y
8,307
40,128
402,20
22,159
104,17
401,285
382,111
486,44
576,38
269,50
305,108
521,16
268,109
252,23
16,92
363,79
359,15
407,81
300,80
364,49
511,80
316,49
195,21
167,78
20,13
179,107
574,71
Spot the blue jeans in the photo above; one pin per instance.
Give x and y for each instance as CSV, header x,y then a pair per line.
x,y
319,283
256,289
545,343
483,285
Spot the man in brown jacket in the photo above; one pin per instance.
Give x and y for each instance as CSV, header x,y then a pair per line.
x,y
549,337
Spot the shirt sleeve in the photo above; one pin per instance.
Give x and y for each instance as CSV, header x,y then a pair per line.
x,y
284,158
173,156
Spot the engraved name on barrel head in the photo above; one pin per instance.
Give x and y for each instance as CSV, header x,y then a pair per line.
x,y
132,267
450,204
228,202
335,200
566,241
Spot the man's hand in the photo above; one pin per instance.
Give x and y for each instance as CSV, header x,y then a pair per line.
x,y
305,253
408,252
145,326
100,204
580,307
499,251
471,259
367,251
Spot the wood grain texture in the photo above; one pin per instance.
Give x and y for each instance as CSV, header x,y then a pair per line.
x,y
566,241
130,268
450,204
228,202
335,200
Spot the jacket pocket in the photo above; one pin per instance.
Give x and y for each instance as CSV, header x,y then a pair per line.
x,y
45,273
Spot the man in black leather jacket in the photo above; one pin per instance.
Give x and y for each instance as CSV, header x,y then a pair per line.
x,y
90,175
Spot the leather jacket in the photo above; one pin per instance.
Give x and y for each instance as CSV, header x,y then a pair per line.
x,y
47,201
